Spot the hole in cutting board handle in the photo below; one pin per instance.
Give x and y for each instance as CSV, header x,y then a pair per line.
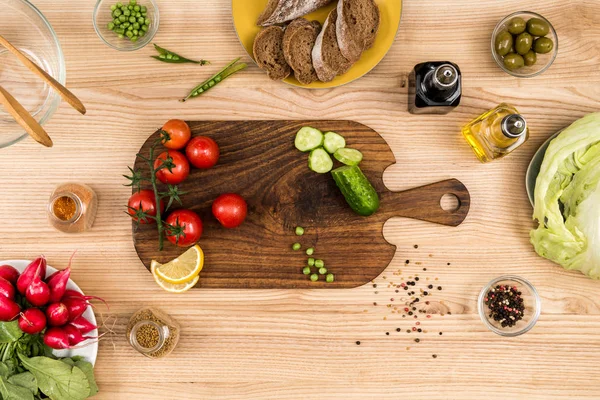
x,y
450,202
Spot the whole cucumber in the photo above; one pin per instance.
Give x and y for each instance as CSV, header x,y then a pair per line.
x,y
356,188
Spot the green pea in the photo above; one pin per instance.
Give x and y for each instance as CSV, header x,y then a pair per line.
x,y
116,13
141,33
147,21
136,26
129,34
218,79
120,36
299,231
516,25
314,277
319,263
543,45
130,28
122,18
143,9
329,278
311,262
140,20
145,28
119,4
127,13
132,2
310,250
130,8
162,56
205,87
136,8
503,43
523,43
322,271
306,270
295,246
120,31
144,14
125,24
111,26
176,58
530,58
113,7
169,57
132,19
211,83
134,39
117,21
538,27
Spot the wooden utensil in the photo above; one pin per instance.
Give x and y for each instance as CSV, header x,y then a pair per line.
x,y
259,161
23,118
63,91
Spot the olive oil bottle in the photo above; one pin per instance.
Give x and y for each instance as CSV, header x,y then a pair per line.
x,y
496,133
434,88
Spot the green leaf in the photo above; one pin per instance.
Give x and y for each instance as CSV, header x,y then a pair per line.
x,y
10,332
88,370
57,379
14,392
26,380
4,370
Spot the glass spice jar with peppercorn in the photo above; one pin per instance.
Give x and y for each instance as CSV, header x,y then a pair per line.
x,y
152,332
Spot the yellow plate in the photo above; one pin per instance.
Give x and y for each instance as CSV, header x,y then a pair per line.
x,y
246,12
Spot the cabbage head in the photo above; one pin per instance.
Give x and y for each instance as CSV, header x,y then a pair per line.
x,y
567,199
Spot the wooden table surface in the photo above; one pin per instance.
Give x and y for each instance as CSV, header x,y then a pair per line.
x,y
290,344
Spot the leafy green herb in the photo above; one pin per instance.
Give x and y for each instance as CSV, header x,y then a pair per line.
x,y
10,391
88,370
57,379
229,70
26,380
10,332
168,56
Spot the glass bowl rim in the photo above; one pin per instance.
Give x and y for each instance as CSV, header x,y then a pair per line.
x,y
61,73
496,57
139,45
483,315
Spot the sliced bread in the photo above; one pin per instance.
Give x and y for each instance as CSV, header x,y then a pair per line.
x,y
298,41
327,58
268,52
279,11
356,27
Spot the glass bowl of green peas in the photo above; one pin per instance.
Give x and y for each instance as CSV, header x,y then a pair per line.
x,y
126,25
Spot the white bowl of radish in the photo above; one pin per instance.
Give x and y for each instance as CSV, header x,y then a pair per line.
x,y
89,352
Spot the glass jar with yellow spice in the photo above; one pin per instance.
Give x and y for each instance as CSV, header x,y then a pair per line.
x,y
152,332
72,208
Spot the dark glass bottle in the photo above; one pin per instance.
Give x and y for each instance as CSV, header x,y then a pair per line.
x,y
434,88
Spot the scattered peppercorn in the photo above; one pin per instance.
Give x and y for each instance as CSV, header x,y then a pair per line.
x,y
439,288
397,329
434,355
505,304
416,246
387,333
417,340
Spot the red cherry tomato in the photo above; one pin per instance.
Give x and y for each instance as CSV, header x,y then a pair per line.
x,y
144,201
175,134
178,173
230,209
188,223
202,151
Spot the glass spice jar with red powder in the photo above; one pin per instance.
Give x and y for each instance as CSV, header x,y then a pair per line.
x,y
72,208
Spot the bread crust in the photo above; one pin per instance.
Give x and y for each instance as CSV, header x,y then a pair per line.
x,y
280,11
268,52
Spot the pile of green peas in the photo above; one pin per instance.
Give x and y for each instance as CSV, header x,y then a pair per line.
x,y
522,41
129,20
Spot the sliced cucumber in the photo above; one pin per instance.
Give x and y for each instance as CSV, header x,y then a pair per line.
x,y
333,141
348,156
356,188
308,139
319,161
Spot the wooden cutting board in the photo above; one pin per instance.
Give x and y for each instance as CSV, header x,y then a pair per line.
x,y
259,162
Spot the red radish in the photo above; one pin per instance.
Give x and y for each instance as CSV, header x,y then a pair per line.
x,y
83,325
75,336
9,310
56,338
57,314
76,306
7,289
36,268
57,282
77,295
32,321
9,273
38,293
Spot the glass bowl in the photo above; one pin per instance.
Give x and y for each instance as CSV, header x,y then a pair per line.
x,y
531,301
28,30
544,61
103,16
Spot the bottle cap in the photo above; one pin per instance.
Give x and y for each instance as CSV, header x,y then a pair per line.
x,y
445,76
514,125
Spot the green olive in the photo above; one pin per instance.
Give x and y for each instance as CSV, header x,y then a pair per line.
x,y
523,43
538,27
530,58
516,25
504,42
513,61
543,45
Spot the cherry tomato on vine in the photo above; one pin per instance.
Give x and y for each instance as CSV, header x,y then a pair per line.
x,y
175,134
143,201
230,209
186,224
202,151
178,173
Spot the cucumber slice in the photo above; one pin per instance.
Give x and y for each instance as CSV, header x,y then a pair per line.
x,y
333,141
319,161
348,156
360,195
308,139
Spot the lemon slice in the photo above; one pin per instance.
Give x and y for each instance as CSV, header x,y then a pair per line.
x,y
171,287
182,269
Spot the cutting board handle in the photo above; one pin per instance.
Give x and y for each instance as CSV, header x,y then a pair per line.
x,y
424,203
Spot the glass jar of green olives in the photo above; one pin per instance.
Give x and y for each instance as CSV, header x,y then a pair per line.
x,y
496,133
524,44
